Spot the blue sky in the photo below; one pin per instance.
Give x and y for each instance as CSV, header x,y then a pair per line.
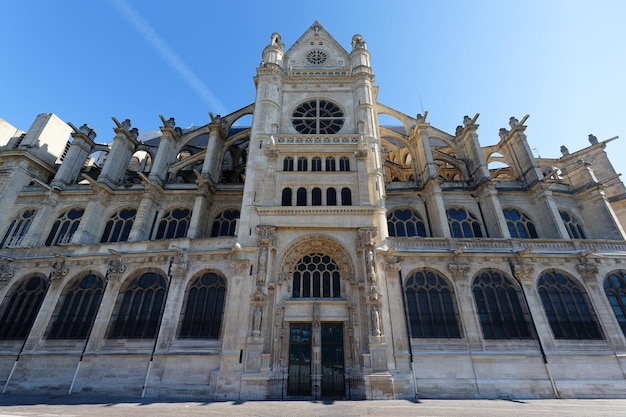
x,y
562,62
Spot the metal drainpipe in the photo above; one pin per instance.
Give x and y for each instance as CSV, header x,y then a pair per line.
x,y
408,333
532,322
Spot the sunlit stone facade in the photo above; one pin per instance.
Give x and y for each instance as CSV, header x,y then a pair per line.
x,y
315,253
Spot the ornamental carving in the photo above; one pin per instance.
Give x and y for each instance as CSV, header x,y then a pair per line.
x,y
459,270
58,271
179,264
115,269
588,271
6,271
525,272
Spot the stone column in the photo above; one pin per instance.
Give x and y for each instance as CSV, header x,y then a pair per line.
x,y
146,212
166,153
75,157
124,145
211,167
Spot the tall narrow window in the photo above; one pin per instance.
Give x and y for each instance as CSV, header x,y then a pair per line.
x,y
288,164
346,197
615,290
286,197
78,311
331,197
501,312
204,307
64,227
520,226
301,197
316,275
119,225
430,306
572,225
344,163
225,223
174,224
21,307
405,223
139,313
569,313
17,229
463,223
316,163
303,164
330,163
316,197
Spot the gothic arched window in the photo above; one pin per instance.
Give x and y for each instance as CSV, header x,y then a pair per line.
x,y
572,225
344,163
118,227
615,290
501,312
225,223
79,308
20,308
301,197
430,305
288,163
204,307
463,223
17,229
286,197
346,197
64,227
316,163
330,163
566,304
140,309
316,275
331,197
405,223
317,117
174,224
303,164
520,226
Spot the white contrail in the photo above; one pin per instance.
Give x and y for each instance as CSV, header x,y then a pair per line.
x,y
162,48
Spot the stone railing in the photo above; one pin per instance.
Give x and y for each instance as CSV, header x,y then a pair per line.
x,y
316,139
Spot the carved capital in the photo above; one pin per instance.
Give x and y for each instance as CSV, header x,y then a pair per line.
x,y
115,269
240,266
360,153
58,270
459,270
588,271
267,235
179,264
525,272
366,237
7,271
392,267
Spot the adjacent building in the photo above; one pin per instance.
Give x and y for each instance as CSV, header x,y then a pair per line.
x,y
315,253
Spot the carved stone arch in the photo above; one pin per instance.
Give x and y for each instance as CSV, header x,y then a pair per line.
x,y
436,271
190,279
319,244
506,276
230,119
459,166
139,272
71,278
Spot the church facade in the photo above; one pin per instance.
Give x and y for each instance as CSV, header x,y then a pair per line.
x,y
313,254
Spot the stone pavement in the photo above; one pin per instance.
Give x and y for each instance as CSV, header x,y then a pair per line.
x,y
12,405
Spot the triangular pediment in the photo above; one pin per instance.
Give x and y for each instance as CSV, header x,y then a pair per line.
x,y
316,48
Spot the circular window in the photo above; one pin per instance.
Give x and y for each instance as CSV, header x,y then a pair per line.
x,y
316,57
317,117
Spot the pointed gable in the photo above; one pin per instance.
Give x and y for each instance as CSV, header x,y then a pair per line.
x,y
316,48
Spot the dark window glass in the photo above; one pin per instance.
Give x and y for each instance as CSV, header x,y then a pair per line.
x,y
301,197
331,197
21,307
302,164
316,275
344,163
330,163
78,311
566,305
520,226
140,310
64,227
501,312
288,164
615,289
316,163
205,307
463,223
286,198
119,225
405,223
430,305
316,197
225,223
346,197
317,117
174,224
572,225
17,229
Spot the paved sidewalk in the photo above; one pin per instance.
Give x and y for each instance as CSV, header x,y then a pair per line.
x,y
59,406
